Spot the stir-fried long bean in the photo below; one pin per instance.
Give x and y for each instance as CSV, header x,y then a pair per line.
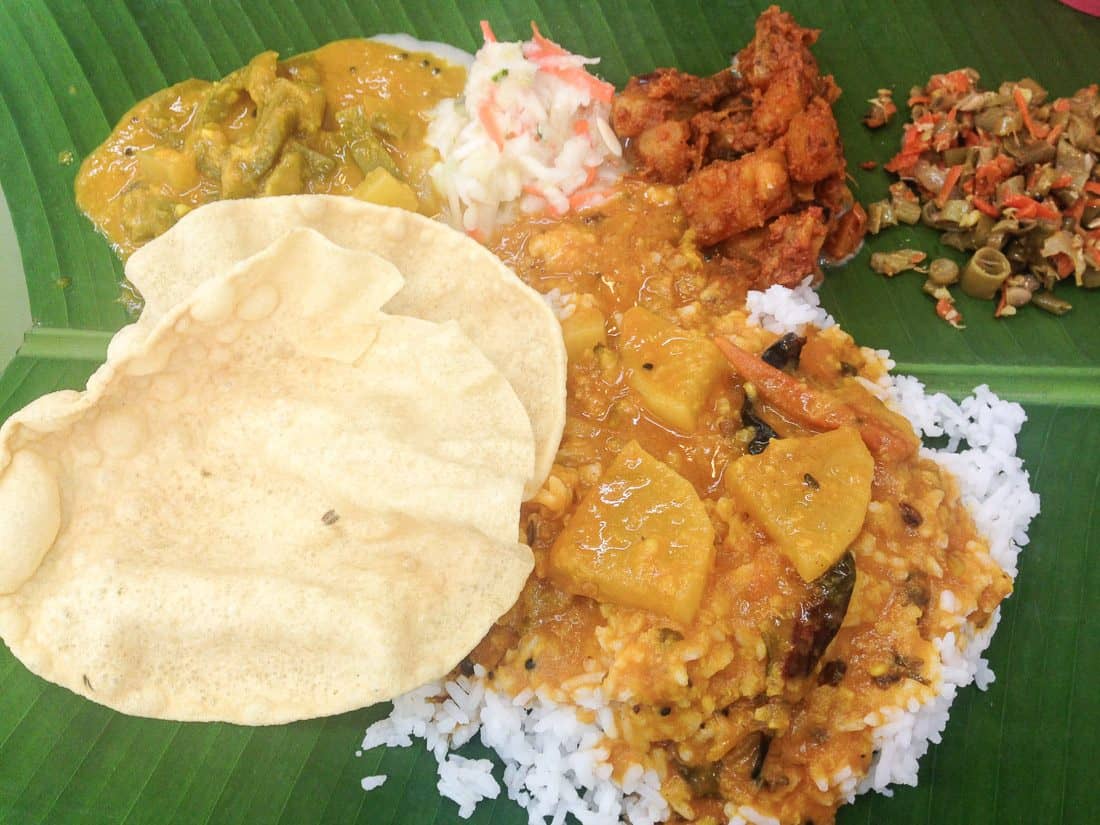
x,y
1012,172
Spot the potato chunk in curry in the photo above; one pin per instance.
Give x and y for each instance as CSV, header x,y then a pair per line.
x,y
809,494
671,369
640,538
583,331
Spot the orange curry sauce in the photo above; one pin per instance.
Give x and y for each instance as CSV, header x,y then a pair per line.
x,y
714,704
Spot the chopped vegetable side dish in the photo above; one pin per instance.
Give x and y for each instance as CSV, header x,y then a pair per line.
x,y
1009,175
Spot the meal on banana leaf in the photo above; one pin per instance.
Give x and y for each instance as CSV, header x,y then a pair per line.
x,y
1009,175
572,460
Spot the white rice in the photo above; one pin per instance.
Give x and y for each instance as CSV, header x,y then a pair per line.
x,y
529,133
554,763
369,783
779,309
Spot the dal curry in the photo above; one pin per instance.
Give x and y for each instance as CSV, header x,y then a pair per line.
x,y
743,665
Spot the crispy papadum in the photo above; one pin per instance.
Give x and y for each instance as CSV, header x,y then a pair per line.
x,y
279,503
448,276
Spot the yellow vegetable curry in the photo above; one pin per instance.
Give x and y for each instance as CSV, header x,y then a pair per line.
x,y
348,118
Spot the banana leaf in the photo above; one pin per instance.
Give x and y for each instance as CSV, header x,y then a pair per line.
x,y
1020,752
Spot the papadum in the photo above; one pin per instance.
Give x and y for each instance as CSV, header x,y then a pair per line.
x,y
448,276
279,503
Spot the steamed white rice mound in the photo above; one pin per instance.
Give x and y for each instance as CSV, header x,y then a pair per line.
x,y
556,764
529,133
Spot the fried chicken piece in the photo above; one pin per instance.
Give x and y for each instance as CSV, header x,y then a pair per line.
x,y
846,234
654,114
665,94
725,134
847,220
745,148
779,45
727,197
777,103
633,110
674,85
813,144
784,252
664,152
782,71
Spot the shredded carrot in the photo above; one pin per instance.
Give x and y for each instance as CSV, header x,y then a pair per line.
x,y
912,145
547,54
1064,264
489,121
955,81
989,174
1077,211
959,80
915,100
1055,133
985,207
1027,208
1038,131
577,76
945,308
544,47
580,128
1063,181
1061,105
582,198
476,234
487,32
1092,186
953,175
944,139
539,192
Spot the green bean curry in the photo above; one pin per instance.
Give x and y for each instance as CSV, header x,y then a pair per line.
x,y
348,118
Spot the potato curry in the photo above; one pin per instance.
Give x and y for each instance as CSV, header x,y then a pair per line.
x,y
347,119
739,546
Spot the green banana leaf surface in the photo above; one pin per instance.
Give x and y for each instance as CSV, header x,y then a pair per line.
x,y
1022,752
